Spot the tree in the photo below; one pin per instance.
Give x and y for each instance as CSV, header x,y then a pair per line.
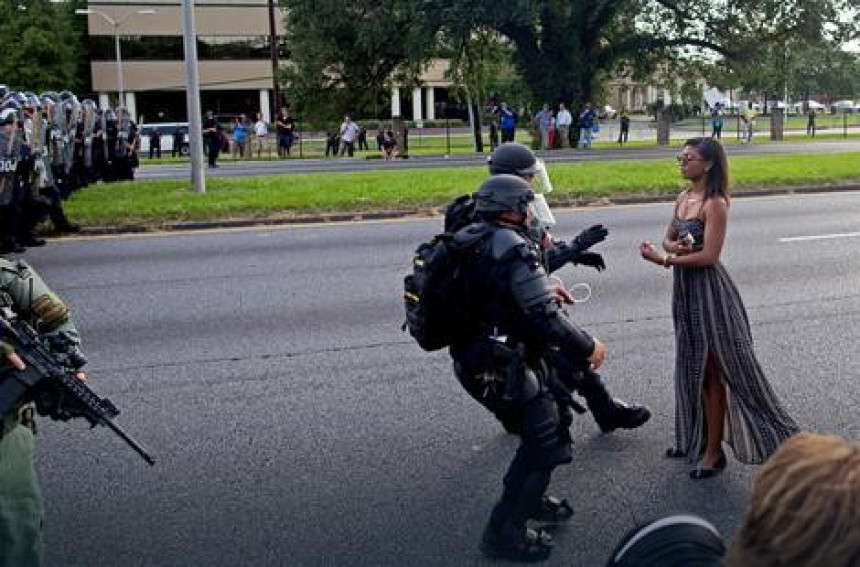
x,y
563,48
41,46
345,55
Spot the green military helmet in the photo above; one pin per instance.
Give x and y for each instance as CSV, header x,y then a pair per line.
x,y
501,193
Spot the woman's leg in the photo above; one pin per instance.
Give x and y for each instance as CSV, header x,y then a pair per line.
x,y
714,399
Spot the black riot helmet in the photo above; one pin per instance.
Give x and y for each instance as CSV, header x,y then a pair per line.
x,y
513,158
501,193
10,110
673,541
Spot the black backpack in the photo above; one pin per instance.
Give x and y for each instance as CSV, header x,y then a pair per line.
x,y
434,294
460,213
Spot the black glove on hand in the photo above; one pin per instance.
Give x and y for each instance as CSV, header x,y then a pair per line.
x,y
592,259
589,237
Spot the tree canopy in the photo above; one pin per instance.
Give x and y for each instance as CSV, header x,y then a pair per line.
x,y
562,49
42,47
344,55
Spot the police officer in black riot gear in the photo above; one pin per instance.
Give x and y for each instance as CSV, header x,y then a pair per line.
x,y
10,179
609,413
516,320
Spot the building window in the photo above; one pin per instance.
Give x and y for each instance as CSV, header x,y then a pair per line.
x,y
170,48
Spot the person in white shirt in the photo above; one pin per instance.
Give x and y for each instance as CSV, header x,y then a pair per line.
x,y
563,119
261,132
348,134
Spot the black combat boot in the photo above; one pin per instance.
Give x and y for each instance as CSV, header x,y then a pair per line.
x,y
516,543
552,510
609,413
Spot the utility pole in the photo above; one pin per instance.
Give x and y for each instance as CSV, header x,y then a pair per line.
x,y
273,35
195,130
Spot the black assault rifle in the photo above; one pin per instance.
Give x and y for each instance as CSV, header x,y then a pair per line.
x,y
55,389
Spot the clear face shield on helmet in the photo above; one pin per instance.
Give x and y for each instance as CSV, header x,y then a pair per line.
x,y
541,215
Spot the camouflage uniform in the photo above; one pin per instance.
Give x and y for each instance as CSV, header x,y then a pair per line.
x,y
21,509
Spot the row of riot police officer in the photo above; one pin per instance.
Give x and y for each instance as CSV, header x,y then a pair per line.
x,y
50,146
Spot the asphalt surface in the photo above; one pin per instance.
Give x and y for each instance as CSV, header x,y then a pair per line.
x,y
229,168
295,424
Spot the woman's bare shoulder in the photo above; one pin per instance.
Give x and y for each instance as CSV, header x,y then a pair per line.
x,y
715,207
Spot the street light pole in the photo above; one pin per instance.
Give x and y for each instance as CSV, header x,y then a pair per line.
x,y
119,78
115,24
192,97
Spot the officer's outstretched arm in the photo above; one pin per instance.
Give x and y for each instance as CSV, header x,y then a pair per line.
x,y
534,295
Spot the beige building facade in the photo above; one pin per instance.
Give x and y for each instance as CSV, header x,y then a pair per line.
x,y
234,59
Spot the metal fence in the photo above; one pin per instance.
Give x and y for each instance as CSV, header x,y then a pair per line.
x,y
443,141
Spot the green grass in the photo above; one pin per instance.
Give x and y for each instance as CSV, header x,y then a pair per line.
x,y
154,203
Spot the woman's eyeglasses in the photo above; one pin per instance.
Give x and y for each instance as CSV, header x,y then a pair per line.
x,y
683,158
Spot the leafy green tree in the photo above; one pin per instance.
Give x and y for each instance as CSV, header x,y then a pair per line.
x,y
41,46
564,48
345,55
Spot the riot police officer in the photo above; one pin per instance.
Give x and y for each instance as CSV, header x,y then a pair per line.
x,y
608,412
516,322
21,511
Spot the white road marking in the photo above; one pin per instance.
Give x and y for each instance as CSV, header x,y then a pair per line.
x,y
819,237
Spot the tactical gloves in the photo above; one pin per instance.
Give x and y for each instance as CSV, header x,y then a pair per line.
x,y
589,237
592,259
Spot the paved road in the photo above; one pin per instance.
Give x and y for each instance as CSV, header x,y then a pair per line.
x,y
343,165
296,425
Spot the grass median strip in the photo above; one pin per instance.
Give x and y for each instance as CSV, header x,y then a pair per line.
x,y
156,203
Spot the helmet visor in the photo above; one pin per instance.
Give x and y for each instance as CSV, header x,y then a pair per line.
x,y
541,184
541,213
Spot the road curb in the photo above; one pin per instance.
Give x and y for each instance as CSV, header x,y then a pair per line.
x,y
435,211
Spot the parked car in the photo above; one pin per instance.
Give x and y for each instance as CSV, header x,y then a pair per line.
x,y
167,130
606,112
845,106
798,107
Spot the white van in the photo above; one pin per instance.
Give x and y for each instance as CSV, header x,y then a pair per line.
x,y
167,131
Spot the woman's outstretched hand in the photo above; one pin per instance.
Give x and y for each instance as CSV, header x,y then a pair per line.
x,y
650,253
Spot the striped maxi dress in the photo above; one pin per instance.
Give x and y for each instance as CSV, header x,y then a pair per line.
x,y
710,318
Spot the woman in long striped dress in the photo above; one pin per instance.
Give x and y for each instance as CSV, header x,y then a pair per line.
x,y
721,392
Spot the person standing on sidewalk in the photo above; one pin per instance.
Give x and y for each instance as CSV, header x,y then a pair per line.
x,y
507,122
348,136
543,121
717,121
586,125
212,137
624,132
563,120
285,126
810,123
261,132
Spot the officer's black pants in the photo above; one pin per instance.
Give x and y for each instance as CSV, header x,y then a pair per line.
x,y
8,227
543,447
576,376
